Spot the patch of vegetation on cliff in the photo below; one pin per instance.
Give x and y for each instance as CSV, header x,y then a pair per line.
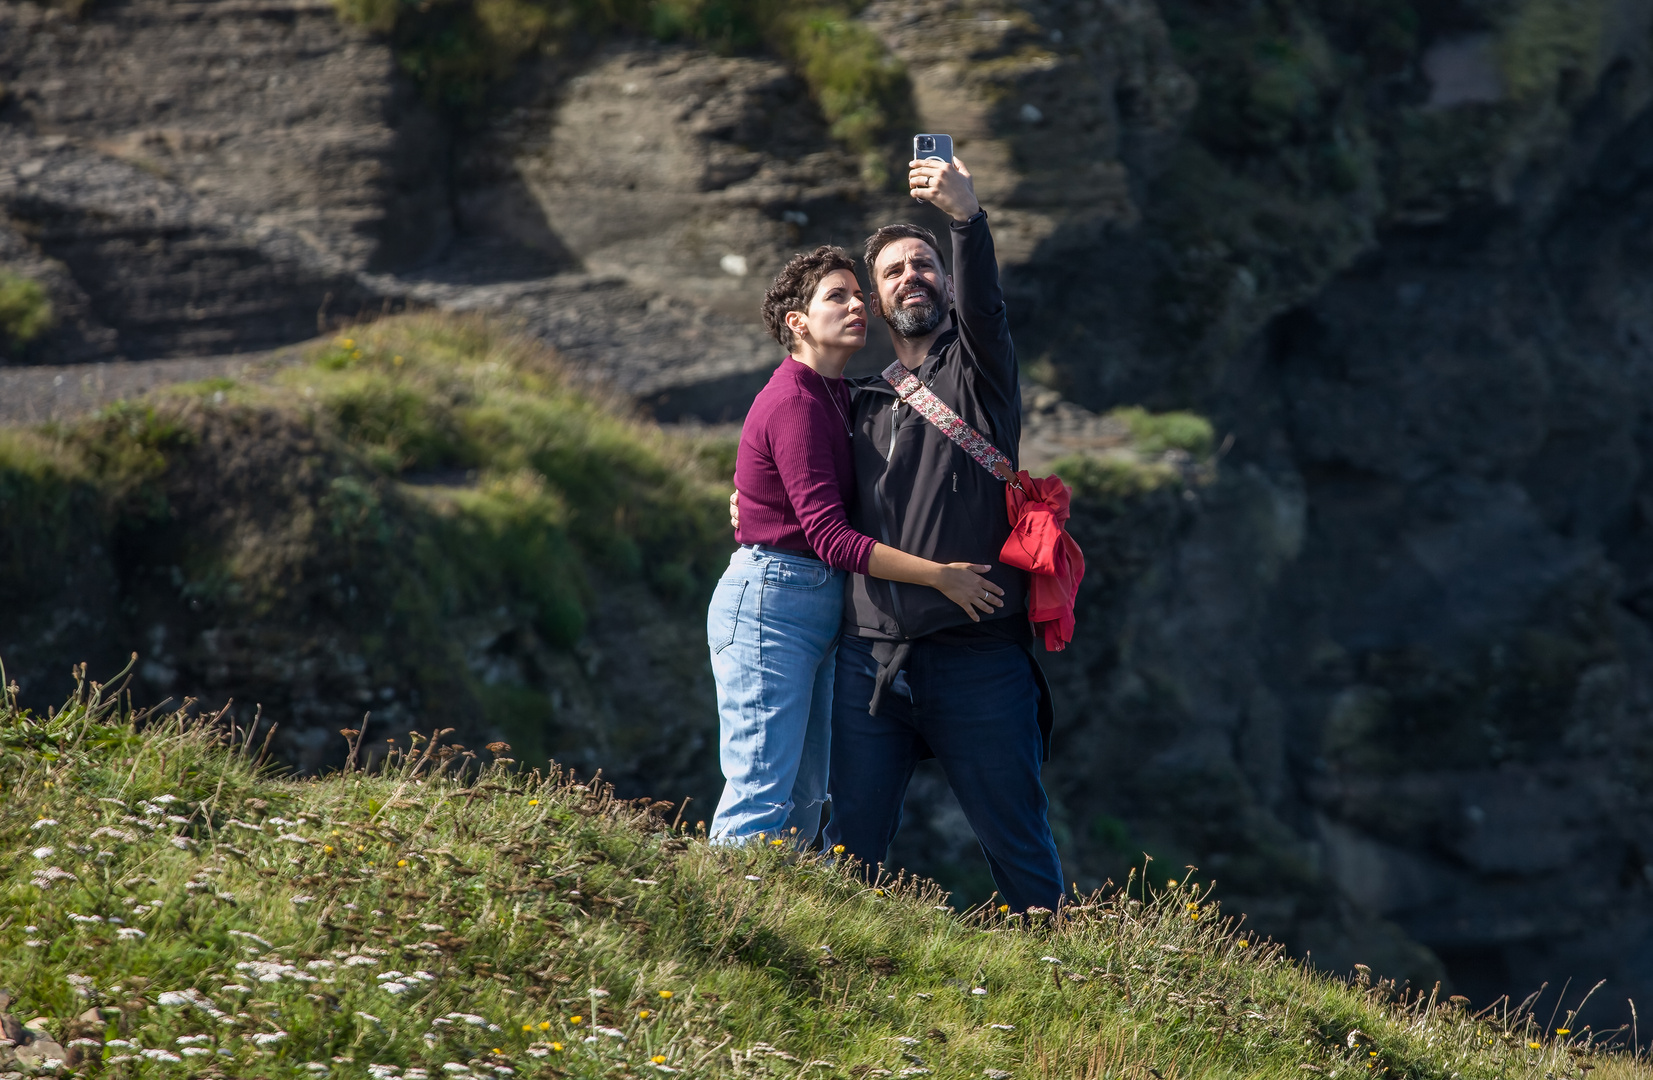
x,y
1153,451
458,49
417,490
174,910
25,309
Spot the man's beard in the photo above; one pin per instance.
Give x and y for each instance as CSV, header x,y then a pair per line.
x,y
916,321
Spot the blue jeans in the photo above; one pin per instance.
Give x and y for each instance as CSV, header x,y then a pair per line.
x,y
976,707
773,629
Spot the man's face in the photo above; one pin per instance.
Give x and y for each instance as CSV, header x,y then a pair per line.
x,y
912,293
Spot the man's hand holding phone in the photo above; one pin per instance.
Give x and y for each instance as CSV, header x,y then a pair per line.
x,y
946,185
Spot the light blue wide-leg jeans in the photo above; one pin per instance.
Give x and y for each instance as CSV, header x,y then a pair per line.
x,y
773,630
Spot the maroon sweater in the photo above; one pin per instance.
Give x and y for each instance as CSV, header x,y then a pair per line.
x,y
794,469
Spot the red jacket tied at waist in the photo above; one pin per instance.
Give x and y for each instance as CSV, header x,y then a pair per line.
x,y
1040,545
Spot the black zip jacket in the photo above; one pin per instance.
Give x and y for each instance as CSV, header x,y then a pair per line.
x,y
917,491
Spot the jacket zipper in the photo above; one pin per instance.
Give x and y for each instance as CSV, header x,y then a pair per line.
x,y
884,518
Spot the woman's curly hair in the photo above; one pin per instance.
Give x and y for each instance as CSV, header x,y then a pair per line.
x,y
795,286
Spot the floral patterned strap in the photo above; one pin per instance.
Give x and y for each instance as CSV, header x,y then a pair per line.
x,y
936,411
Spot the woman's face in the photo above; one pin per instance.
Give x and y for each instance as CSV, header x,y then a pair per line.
x,y
836,317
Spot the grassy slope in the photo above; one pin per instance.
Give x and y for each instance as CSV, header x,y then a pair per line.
x,y
286,513
532,913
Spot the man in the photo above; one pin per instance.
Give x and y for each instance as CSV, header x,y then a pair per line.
x,y
915,675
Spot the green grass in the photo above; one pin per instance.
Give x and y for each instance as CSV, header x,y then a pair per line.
x,y
458,49
25,310
411,480
160,892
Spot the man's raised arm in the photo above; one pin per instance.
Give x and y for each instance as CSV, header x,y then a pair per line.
x,y
977,295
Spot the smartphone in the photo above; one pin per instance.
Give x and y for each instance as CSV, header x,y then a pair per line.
x,y
933,146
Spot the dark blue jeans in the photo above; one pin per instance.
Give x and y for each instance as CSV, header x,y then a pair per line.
x,y
976,708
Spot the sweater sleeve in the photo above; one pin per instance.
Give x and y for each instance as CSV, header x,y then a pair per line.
x,y
803,458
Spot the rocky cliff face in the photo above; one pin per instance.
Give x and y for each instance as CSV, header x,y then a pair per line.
x,y
1385,677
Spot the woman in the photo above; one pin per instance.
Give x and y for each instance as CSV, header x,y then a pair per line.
x,y
773,621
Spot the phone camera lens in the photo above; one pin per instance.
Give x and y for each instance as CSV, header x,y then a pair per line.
x,y
926,142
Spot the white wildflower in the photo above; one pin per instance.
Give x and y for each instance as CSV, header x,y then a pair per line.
x,y
294,838
43,852
980,991
393,987
414,1073
613,1033
33,943
238,823
1051,959
83,1042
176,997
906,1040
160,1055
370,1018
117,802
432,927
192,1040
914,1072
122,1043
596,993
236,988
995,1074
251,937
423,976
1002,1027
644,881
182,843
43,823
382,1072
359,961
45,879
226,896
455,1067
177,819
268,1038
506,1070
316,1066
196,1051
82,984
75,916
753,877
303,899
162,800
320,965
391,974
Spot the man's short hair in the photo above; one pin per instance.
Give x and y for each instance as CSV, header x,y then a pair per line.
x,y
795,286
889,234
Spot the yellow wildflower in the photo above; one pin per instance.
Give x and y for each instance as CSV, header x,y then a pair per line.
x,y
528,1027
1563,1031
1003,908
401,862
557,1046
658,1059
545,1025
667,996
1243,943
643,1014
533,802
575,1019
837,849
327,849
1535,1046
776,843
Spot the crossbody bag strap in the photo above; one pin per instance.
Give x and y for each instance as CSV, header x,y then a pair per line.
x,y
910,390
